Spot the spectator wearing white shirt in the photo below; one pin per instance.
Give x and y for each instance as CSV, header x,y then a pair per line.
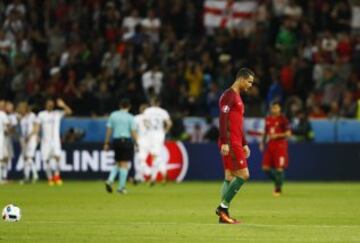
x,y
13,25
151,26
17,6
152,80
5,44
129,24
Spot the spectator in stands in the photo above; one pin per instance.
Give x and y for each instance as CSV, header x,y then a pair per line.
x,y
129,24
341,16
301,40
348,106
197,135
153,79
178,131
286,39
103,99
212,99
194,78
302,129
275,91
334,111
152,25
17,6
5,45
316,112
212,133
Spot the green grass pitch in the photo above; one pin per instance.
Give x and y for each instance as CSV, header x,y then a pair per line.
x,y
84,212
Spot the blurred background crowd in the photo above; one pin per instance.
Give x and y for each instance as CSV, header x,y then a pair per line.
x,y
92,52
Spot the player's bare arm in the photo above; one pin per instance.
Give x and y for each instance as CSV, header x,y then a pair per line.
x,y
35,131
135,136
263,142
245,146
225,149
64,106
280,135
107,139
246,151
168,125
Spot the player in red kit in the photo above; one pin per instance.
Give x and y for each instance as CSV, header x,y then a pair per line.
x,y
275,158
232,143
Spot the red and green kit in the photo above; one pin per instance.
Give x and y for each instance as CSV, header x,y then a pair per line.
x,y
276,152
231,129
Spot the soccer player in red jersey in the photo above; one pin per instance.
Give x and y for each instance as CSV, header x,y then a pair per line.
x,y
232,143
275,159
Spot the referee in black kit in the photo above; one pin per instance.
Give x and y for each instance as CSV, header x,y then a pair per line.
x,y
121,127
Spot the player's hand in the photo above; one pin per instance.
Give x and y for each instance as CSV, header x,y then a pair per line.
x,y
225,149
246,151
60,103
136,147
106,146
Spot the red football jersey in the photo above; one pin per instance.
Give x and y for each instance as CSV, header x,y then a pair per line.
x,y
231,118
276,124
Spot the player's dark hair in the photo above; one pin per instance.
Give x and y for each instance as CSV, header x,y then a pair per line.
x,y
155,100
125,103
244,73
275,102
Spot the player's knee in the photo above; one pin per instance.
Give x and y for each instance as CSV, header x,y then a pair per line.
x,y
245,176
228,177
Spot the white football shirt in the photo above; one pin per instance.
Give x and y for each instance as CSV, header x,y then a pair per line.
x,y
50,125
155,118
140,124
27,124
4,121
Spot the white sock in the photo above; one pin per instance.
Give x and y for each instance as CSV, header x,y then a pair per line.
x,y
57,167
4,171
48,170
223,205
27,168
35,175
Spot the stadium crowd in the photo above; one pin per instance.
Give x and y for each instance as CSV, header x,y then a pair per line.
x,y
92,52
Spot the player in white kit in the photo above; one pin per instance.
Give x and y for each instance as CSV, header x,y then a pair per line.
x,y
158,123
142,150
4,126
9,138
29,129
50,148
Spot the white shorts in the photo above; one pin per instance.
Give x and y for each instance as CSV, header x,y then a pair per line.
x,y
155,143
50,150
8,148
2,149
28,150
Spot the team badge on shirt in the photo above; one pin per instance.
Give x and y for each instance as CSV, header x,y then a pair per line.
x,y
225,109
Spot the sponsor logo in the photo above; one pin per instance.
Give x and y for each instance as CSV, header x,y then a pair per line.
x,y
175,158
93,160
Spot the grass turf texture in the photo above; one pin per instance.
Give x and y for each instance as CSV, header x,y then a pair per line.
x,y
84,212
